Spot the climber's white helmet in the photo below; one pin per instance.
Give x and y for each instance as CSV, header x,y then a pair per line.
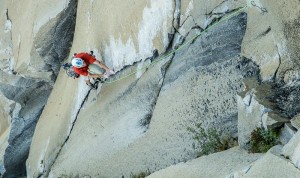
x,y
77,62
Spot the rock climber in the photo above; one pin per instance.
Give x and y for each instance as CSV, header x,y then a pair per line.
x,y
87,65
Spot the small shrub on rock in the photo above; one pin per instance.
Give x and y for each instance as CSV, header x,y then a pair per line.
x,y
141,174
209,140
262,140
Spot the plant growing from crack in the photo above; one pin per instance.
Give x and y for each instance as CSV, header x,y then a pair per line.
x,y
262,140
142,174
209,140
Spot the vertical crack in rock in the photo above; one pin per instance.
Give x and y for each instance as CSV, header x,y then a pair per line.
x,y
47,170
32,94
53,46
177,13
276,71
143,122
175,24
147,119
9,49
6,14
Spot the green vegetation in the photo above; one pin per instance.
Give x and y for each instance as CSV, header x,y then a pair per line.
x,y
141,175
262,140
209,141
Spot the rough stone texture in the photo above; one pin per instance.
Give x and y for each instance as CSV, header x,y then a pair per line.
x,y
30,92
295,121
273,120
272,165
234,162
26,25
291,150
200,13
286,133
5,109
6,52
52,130
31,96
250,113
195,16
182,101
129,34
272,41
119,118
266,105
291,77
53,41
200,89
286,98
3,146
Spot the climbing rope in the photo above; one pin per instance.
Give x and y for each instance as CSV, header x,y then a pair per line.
x,y
179,48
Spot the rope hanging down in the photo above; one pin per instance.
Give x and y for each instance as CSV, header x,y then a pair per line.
x,y
179,48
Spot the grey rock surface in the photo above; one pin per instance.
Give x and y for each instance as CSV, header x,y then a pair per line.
x,y
54,40
200,86
267,105
287,98
273,120
30,94
291,150
249,114
234,162
273,165
120,117
140,122
295,121
286,133
271,41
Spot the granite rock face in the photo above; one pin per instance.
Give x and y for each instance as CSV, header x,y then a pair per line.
x,y
272,164
200,69
53,41
30,92
193,91
29,96
267,105
269,41
231,66
236,162
291,150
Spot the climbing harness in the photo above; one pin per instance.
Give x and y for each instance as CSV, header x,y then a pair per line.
x,y
262,9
